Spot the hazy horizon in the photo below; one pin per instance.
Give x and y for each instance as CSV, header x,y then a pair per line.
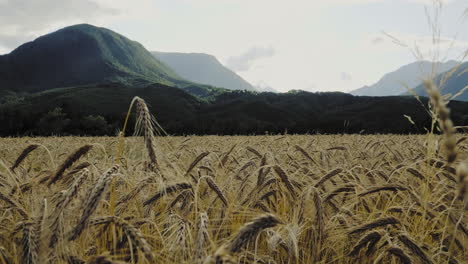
x,y
333,45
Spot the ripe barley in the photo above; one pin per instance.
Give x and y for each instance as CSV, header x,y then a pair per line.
x,y
216,189
285,179
92,201
72,158
390,187
328,176
23,155
414,248
167,190
369,239
390,220
249,231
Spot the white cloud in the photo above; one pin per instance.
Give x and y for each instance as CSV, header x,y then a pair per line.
x,y
23,20
245,61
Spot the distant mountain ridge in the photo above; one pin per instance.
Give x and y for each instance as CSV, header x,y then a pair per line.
x,y
203,68
79,55
409,75
453,82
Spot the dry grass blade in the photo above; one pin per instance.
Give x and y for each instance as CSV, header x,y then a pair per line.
x,y
374,224
23,155
72,158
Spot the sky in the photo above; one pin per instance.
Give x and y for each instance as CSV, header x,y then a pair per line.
x,y
313,45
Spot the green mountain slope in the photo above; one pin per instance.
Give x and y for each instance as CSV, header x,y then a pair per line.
x,y
450,82
79,55
203,68
410,75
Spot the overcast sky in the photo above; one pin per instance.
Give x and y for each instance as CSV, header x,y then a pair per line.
x,y
315,45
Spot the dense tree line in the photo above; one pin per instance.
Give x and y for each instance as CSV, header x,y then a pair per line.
x,y
96,112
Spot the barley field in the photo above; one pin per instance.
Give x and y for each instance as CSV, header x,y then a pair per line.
x,y
239,199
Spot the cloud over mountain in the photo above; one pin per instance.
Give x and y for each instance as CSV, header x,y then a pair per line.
x,y
244,61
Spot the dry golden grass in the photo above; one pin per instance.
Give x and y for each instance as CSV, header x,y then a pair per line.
x,y
243,199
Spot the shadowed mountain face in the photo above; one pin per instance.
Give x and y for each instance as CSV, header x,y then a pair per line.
x,y
81,54
204,69
410,76
453,82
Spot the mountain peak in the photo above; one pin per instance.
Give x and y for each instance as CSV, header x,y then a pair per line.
x,y
407,76
203,68
81,54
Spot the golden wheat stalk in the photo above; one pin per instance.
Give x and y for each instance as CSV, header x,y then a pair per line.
x,y
145,125
400,254
168,190
388,187
369,240
247,233
72,158
202,235
196,161
14,204
328,176
63,201
443,113
462,173
285,179
23,155
414,248
216,189
390,220
92,202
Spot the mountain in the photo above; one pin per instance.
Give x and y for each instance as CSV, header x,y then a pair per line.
x,y
409,75
204,69
78,55
450,82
